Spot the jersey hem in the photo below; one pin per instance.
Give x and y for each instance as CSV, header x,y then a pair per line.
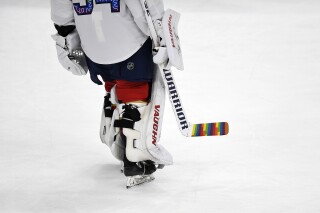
x,y
118,60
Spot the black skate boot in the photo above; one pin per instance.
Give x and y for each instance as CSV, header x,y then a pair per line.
x,y
138,173
138,168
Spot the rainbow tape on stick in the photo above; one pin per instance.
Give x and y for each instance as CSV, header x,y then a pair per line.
x,y
210,129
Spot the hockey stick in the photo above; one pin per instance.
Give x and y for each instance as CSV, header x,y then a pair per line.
x,y
186,128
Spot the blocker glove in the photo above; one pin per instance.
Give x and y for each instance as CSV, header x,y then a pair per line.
x,y
70,53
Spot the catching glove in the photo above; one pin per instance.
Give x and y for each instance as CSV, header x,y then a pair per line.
x,y
70,53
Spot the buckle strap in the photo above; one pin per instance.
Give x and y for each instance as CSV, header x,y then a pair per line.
x,y
124,123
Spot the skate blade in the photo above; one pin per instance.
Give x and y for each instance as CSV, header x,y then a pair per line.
x,y
134,181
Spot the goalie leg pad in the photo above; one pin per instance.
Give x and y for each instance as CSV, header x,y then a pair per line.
x,y
109,135
131,122
141,124
118,148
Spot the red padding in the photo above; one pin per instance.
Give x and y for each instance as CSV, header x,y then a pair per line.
x,y
127,91
108,85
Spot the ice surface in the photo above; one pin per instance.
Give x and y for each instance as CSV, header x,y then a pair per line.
x,y
252,63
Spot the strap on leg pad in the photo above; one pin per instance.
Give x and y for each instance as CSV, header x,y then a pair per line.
x,y
107,106
130,115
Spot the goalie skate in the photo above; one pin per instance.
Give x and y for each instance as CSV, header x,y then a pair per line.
x,y
138,180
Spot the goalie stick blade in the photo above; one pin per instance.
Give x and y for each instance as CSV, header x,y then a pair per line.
x,y
210,129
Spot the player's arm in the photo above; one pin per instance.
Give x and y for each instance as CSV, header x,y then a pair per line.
x,y
68,43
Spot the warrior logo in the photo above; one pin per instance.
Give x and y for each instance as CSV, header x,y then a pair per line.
x,y
174,96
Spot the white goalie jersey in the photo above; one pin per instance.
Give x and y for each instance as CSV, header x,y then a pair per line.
x,y
110,30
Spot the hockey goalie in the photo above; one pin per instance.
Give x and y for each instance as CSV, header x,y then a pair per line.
x,y
111,40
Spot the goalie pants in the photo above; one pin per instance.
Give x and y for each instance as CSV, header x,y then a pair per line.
x,y
132,76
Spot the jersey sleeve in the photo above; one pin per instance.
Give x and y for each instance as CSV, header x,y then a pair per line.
x,y
156,9
62,12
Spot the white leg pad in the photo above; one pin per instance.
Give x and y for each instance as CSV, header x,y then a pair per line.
x,y
142,137
109,135
118,148
134,154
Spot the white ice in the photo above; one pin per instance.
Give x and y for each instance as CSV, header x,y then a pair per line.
x,y
253,63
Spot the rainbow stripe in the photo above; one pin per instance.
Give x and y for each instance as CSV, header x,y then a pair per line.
x,y
210,129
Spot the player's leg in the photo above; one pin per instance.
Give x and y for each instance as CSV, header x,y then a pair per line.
x,y
134,97
107,112
139,117
133,92
108,133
